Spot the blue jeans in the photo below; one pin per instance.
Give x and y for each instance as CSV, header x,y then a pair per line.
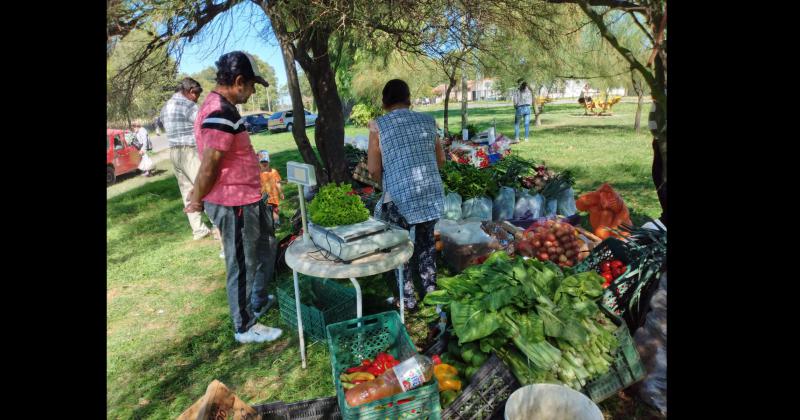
x,y
522,111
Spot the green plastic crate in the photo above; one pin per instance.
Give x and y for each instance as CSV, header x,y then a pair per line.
x,y
351,341
337,303
626,370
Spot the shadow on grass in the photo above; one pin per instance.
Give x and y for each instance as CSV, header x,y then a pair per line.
x,y
587,130
199,359
156,209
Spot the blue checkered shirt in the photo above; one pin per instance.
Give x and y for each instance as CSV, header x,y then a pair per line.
x,y
178,117
410,173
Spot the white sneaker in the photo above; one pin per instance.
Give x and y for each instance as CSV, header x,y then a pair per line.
x,y
526,139
258,334
222,254
202,235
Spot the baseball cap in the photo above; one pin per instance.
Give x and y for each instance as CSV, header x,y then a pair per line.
x,y
241,63
263,156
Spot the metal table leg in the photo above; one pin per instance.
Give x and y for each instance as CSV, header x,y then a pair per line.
x,y
402,300
358,297
299,319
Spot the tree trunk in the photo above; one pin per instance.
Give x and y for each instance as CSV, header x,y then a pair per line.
x,y
537,110
298,129
329,131
447,105
637,120
464,121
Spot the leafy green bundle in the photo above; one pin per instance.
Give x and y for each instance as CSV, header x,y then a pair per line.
x,y
510,170
468,181
337,205
542,321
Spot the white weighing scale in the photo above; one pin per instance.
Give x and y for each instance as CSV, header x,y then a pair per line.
x,y
350,242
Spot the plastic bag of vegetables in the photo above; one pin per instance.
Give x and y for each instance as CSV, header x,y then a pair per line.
x,y
479,208
566,203
503,206
528,206
452,206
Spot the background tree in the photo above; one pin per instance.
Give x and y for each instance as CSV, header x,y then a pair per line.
x,y
650,16
142,94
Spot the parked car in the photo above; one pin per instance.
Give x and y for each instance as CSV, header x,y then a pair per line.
x,y
256,123
283,120
121,157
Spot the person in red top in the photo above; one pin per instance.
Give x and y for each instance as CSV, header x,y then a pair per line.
x,y
228,187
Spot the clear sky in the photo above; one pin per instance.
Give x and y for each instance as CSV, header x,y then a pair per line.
x,y
246,24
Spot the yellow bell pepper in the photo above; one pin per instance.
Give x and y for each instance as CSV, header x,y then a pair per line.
x,y
447,376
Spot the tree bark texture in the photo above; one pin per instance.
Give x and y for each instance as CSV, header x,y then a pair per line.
x,y
637,122
329,132
293,84
537,110
449,89
464,121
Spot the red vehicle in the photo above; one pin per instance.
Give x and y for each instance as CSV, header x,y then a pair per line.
x,y
121,157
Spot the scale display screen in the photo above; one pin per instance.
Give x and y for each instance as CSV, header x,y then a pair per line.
x,y
301,173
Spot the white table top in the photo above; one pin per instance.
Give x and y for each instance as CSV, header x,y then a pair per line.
x,y
306,260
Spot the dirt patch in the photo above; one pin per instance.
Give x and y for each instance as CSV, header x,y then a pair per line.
x,y
262,385
111,294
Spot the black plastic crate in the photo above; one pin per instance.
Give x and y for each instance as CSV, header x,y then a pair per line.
x,y
485,397
316,409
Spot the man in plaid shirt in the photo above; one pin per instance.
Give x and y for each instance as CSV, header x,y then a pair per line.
x,y
178,117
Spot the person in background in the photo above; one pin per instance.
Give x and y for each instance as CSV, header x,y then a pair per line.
x,y
144,145
523,98
405,154
157,125
228,187
178,117
270,185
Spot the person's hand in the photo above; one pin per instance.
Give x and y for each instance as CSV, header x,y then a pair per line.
x,y
193,207
283,197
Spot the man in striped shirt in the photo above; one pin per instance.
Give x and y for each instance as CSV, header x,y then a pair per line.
x,y
228,186
178,117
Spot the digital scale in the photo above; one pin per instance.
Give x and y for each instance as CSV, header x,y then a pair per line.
x,y
354,241
344,242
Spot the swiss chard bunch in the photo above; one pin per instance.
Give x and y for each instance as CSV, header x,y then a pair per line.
x,y
337,205
542,320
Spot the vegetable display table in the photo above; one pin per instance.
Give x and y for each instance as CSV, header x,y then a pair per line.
x,y
305,258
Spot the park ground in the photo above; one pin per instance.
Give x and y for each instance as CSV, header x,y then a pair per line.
x,y
168,328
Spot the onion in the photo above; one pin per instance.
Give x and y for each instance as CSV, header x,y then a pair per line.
x,y
551,250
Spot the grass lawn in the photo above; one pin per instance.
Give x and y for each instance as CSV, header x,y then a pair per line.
x,y
169,333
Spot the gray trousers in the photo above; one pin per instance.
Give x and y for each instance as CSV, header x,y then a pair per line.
x,y
248,236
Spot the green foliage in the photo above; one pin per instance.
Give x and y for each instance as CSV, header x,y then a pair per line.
x,y
139,94
509,171
337,205
362,113
468,181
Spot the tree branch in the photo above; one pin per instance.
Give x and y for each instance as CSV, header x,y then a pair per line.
x,y
617,4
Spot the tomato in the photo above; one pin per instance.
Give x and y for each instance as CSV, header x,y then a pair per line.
x,y
605,266
606,284
617,271
607,276
543,256
617,263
